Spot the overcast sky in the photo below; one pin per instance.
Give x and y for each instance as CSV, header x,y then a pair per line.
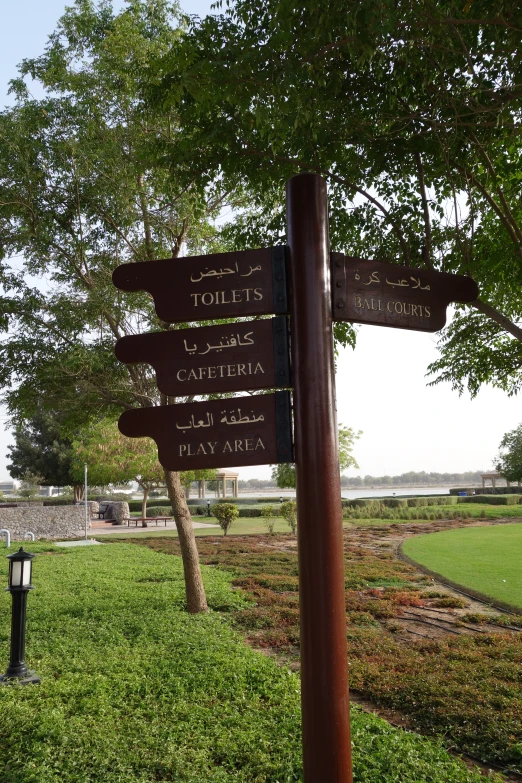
x,y
381,386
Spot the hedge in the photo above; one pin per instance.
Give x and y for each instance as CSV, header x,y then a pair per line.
x,y
159,511
492,500
417,502
395,502
490,490
367,503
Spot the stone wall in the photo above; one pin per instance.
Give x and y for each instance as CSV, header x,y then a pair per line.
x,y
54,522
115,509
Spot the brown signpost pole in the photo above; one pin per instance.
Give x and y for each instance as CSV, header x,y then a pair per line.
x,y
324,662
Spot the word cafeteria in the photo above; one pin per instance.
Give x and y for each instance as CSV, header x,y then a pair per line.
x,y
188,361
253,355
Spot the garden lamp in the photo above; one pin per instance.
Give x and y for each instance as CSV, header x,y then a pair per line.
x,y
19,584
208,508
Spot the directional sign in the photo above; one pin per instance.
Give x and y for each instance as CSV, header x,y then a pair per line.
x,y
223,285
231,357
372,292
241,431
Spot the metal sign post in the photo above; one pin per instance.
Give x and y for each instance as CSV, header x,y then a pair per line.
x,y
85,493
324,660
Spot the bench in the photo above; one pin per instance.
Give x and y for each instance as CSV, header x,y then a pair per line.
x,y
145,520
102,514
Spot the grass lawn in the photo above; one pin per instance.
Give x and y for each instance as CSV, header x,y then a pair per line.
x,y
240,527
485,559
134,690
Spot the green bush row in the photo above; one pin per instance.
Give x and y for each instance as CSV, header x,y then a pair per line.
x,y
405,514
159,511
235,501
243,512
491,490
373,503
492,500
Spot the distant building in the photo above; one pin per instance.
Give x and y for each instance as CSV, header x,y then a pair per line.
x,y
8,487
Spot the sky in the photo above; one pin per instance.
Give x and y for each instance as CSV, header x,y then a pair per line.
x,y
381,385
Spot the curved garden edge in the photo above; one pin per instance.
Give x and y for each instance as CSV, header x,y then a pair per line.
x,y
467,591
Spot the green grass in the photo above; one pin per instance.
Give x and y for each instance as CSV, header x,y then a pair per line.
x,y
135,690
485,559
240,527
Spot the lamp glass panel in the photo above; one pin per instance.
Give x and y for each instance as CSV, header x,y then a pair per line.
x,y
16,573
26,573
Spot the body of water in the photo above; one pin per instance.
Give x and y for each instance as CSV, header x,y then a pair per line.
x,y
351,494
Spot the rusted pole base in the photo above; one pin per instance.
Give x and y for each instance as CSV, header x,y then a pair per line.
x,y
324,663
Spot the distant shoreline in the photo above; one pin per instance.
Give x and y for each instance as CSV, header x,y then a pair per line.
x,y
391,487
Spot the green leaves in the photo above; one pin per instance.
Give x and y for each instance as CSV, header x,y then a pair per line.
x,y
411,113
509,461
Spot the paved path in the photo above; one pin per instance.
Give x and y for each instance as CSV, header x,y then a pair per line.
x,y
98,529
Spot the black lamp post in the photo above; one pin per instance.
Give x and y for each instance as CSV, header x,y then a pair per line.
x,y
208,508
20,569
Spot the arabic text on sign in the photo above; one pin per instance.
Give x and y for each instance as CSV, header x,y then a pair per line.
x,y
225,342
402,283
222,272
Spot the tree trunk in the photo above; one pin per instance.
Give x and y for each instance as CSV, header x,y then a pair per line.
x,y
195,592
78,492
146,491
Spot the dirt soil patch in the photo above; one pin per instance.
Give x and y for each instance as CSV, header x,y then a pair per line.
x,y
420,654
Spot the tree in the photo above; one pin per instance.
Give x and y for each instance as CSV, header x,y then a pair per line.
x,y
284,473
78,198
112,458
411,112
509,461
41,448
225,514
31,483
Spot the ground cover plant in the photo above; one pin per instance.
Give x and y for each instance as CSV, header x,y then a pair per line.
x,y
376,513
136,689
441,667
485,559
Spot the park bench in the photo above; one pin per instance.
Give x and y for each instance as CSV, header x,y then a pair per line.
x,y
103,512
145,520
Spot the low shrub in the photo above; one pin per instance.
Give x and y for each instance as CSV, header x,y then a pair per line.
x,y
236,501
417,502
442,500
159,511
269,514
267,500
137,505
289,513
492,500
225,514
250,512
395,502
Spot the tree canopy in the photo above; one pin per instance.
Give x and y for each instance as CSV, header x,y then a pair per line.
x,y
40,448
112,458
410,111
284,473
509,461
78,197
